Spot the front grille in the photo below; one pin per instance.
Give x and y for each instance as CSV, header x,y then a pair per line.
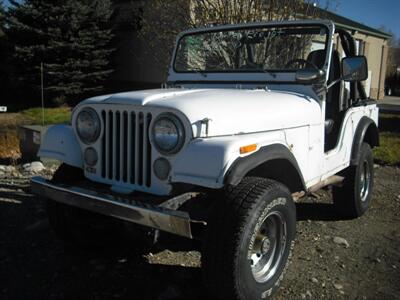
x,y
125,147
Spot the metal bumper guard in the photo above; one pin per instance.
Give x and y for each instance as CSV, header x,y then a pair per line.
x,y
155,216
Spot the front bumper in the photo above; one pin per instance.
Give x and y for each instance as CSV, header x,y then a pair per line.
x,y
144,210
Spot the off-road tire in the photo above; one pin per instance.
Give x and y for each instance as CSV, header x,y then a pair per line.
x,y
349,200
231,233
78,226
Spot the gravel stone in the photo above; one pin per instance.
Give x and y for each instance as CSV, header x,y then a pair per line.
x,y
314,280
337,286
341,241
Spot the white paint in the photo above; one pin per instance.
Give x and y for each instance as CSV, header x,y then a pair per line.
x,y
368,84
232,111
60,143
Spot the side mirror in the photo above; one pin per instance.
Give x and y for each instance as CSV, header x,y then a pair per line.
x,y
354,68
309,76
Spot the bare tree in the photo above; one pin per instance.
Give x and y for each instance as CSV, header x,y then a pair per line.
x,y
163,20
393,59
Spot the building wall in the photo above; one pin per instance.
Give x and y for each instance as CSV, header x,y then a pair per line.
x,y
376,51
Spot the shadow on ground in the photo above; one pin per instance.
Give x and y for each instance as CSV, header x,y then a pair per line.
x,y
34,264
317,212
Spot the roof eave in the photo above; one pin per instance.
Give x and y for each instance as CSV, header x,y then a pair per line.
x,y
352,28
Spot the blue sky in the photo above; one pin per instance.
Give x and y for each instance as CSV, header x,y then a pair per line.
x,y
372,13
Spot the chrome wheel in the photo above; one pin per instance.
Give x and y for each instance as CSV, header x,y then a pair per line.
x,y
268,247
365,180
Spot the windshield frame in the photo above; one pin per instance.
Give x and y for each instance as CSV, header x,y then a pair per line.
x,y
269,75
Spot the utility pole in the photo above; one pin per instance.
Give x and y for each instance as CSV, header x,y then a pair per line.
x,y
41,79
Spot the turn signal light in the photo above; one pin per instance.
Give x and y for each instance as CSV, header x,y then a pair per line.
x,y
248,148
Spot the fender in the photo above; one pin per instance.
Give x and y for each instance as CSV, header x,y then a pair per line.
x,y
274,152
366,131
60,143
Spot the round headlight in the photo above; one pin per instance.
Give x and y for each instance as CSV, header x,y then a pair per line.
x,y
168,134
88,125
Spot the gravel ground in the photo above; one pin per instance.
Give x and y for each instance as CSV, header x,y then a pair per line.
x,y
333,258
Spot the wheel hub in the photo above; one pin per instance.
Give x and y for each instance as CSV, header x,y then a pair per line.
x,y
268,247
265,246
365,181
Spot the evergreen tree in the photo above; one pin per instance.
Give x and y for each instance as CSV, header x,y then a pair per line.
x,y
71,38
2,16
5,67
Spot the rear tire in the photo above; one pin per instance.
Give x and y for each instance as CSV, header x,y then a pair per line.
x,y
249,240
354,197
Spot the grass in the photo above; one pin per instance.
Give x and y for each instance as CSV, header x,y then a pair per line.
x,y
389,150
9,146
51,115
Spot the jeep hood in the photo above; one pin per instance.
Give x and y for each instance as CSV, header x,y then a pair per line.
x,y
230,111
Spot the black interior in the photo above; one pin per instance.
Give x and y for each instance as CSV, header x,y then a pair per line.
x,y
333,115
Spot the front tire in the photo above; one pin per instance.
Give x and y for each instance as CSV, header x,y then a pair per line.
x,y
249,240
354,197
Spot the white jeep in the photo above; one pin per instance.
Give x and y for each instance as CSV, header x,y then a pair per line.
x,y
253,117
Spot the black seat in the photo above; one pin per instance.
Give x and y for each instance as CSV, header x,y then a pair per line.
x,y
317,57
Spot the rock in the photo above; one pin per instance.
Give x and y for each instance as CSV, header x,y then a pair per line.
x,y
337,286
7,169
308,293
341,241
303,296
33,167
314,280
123,260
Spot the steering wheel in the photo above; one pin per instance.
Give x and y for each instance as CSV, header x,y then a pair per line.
x,y
301,61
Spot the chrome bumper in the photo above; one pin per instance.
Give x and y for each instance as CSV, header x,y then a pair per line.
x,y
140,212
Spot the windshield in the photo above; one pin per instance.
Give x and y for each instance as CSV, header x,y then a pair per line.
x,y
278,49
